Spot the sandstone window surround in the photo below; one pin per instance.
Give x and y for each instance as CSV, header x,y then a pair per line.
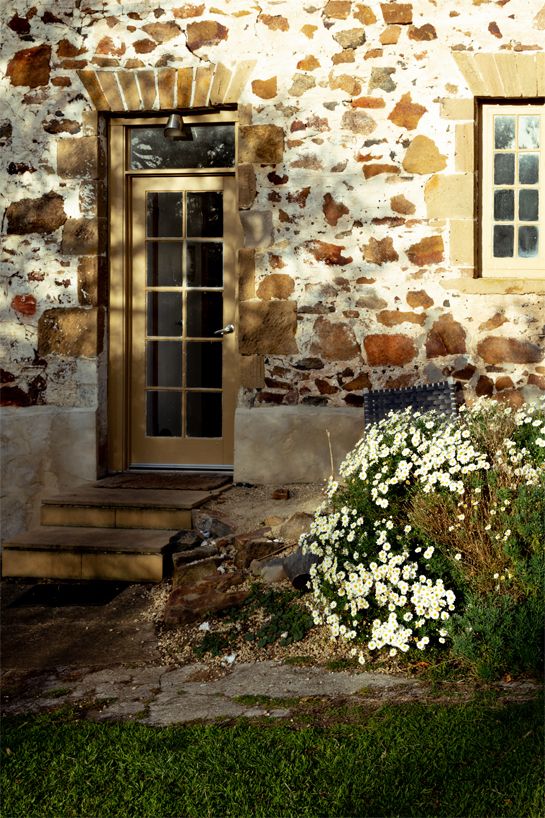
x,y
512,190
502,78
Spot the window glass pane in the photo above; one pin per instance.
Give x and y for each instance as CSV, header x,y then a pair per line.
x,y
205,214
164,363
529,132
164,214
210,146
528,242
204,265
203,362
164,264
503,240
504,132
164,414
203,414
165,314
504,205
504,169
528,205
204,313
529,168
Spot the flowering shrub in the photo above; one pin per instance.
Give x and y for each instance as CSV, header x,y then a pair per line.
x,y
420,518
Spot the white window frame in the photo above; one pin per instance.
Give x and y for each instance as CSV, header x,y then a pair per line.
x,y
514,267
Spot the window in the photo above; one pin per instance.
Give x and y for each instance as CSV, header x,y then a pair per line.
x,y
512,190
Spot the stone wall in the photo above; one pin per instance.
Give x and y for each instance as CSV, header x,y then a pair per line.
x,y
45,450
356,181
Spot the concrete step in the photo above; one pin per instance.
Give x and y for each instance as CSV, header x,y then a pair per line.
x,y
122,508
133,555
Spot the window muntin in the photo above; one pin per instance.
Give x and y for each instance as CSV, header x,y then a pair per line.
x,y
513,192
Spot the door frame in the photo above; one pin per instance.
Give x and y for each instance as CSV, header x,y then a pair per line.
x,y
119,329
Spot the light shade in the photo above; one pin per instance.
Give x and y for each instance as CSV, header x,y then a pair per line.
x,y
174,127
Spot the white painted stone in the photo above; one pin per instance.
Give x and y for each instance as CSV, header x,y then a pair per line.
x,y
289,444
45,450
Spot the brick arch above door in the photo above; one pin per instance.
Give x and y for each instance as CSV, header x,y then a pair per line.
x,y
154,89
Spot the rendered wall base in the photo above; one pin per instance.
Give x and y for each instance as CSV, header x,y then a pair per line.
x,y
45,450
289,444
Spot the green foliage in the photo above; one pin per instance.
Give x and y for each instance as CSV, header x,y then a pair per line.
x,y
287,621
213,642
438,518
472,760
497,635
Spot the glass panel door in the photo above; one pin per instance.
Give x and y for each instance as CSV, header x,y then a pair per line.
x,y
183,370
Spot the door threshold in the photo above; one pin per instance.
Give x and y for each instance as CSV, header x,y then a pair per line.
x,y
190,467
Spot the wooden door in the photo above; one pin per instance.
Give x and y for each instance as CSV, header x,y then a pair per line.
x,y
183,371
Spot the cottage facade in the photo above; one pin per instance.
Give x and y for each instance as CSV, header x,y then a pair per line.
x,y
356,190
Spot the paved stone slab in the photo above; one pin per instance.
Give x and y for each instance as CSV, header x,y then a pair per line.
x,y
129,498
115,540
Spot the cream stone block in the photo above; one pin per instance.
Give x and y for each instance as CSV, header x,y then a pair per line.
x,y
540,73
45,450
450,196
252,371
20,563
507,67
222,78
470,71
159,518
527,74
131,92
201,89
129,567
78,516
460,109
293,443
489,71
239,80
462,242
108,83
464,157
495,286
258,228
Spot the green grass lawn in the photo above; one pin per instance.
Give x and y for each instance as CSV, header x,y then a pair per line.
x,y
476,759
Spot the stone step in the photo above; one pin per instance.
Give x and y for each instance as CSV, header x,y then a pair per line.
x,y
54,552
122,508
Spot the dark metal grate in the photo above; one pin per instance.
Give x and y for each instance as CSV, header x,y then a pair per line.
x,y
431,397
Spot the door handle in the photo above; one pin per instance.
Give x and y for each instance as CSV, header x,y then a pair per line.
x,y
227,330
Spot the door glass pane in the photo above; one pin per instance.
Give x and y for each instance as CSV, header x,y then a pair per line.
x,y
529,132
503,240
504,205
164,214
504,132
504,169
164,414
203,414
164,363
204,264
210,146
205,214
204,313
165,314
164,264
203,362
528,242
529,168
528,205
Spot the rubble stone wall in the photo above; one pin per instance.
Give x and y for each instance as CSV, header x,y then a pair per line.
x,y
356,178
